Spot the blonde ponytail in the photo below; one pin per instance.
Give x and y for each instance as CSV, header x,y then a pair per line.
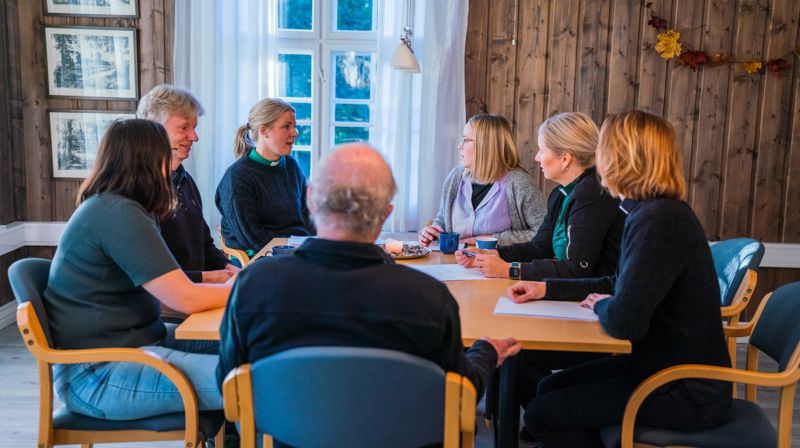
x,y
242,143
264,113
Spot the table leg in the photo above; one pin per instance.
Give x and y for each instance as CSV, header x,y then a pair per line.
x,y
507,429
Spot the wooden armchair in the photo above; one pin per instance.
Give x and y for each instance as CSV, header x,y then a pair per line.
x,y
777,334
363,397
28,280
231,253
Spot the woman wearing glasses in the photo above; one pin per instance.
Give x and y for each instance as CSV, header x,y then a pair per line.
x,y
489,193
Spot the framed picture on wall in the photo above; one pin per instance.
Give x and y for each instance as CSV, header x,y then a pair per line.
x,y
85,62
74,139
97,8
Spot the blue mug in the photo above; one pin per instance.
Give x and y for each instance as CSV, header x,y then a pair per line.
x,y
448,242
486,243
286,249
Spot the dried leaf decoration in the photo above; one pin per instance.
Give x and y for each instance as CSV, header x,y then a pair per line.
x,y
668,45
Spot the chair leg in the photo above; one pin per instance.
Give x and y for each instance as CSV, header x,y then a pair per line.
x,y
86,445
219,440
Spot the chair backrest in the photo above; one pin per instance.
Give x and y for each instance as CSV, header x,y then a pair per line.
x,y
230,252
732,259
350,396
28,278
777,331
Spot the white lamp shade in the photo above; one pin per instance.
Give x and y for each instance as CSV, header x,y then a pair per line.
x,y
403,59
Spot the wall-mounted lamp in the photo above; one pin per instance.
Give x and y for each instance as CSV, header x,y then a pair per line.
x,y
403,58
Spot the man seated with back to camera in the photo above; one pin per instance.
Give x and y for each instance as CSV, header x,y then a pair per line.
x,y
307,298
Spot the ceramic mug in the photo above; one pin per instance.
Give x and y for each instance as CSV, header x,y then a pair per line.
x,y
448,242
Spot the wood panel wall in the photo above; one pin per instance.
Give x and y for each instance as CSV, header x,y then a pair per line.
x,y
740,134
28,191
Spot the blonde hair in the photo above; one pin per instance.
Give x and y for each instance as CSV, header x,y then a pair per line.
x,y
638,157
164,100
495,151
265,113
572,133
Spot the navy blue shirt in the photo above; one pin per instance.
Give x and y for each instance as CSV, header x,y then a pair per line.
x,y
334,293
186,233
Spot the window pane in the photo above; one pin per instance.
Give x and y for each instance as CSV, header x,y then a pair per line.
x,y
354,15
295,14
343,134
352,112
302,111
304,159
303,136
294,75
353,75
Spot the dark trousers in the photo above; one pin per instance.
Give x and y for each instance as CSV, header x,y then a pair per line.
x,y
538,364
573,405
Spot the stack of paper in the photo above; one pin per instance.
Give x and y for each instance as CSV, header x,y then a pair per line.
x,y
544,308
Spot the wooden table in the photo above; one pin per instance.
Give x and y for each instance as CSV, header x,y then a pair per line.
x,y
476,300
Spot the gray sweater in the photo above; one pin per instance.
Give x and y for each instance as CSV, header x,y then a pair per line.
x,y
526,205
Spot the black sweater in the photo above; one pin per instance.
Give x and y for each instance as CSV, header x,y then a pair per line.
x,y
665,297
186,233
337,293
260,202
594,226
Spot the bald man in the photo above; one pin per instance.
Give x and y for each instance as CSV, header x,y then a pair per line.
x,y
308,298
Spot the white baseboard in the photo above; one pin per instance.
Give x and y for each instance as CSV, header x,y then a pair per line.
x,y
8,314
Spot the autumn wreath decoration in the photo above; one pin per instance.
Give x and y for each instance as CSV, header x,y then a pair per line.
x,y
669,46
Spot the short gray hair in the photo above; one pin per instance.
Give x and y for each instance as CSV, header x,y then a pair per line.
x,y
164,100
353,193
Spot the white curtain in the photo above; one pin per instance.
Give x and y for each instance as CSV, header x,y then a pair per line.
x,y
422,115
223,54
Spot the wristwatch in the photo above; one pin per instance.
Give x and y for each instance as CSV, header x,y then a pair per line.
x,y
514,271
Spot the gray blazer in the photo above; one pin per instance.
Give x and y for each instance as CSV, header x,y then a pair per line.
x,y
526,205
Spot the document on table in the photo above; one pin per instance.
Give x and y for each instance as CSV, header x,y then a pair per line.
x,y
449,272
298,240
544,308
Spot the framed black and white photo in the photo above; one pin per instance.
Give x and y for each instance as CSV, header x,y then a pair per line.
x,y
75,137
96,8
95,63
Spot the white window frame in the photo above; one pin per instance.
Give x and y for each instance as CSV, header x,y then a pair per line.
x,y
322,41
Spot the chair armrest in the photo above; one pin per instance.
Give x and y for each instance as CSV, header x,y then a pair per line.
x,y
696,371
36,342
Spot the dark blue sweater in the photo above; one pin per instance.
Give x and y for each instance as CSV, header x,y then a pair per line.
x,y
186,233
665,296
260,202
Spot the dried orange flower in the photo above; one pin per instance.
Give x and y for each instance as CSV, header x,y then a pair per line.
x,y
668,45
752,66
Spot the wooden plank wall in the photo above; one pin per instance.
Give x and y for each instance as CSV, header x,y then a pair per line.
x,y
740,134
28,190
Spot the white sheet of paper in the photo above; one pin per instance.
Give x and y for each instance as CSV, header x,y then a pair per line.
x,y
298,240
544,308
449,272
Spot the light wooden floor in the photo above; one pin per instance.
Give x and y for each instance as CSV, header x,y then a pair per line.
x,y
19,398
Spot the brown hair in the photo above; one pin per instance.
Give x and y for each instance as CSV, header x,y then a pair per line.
x,y
495,151
264,113
638,156
132,161
571,133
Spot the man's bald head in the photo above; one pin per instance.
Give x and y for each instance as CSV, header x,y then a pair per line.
x,y
352,190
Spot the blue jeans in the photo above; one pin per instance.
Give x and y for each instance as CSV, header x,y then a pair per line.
x,y
128,391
